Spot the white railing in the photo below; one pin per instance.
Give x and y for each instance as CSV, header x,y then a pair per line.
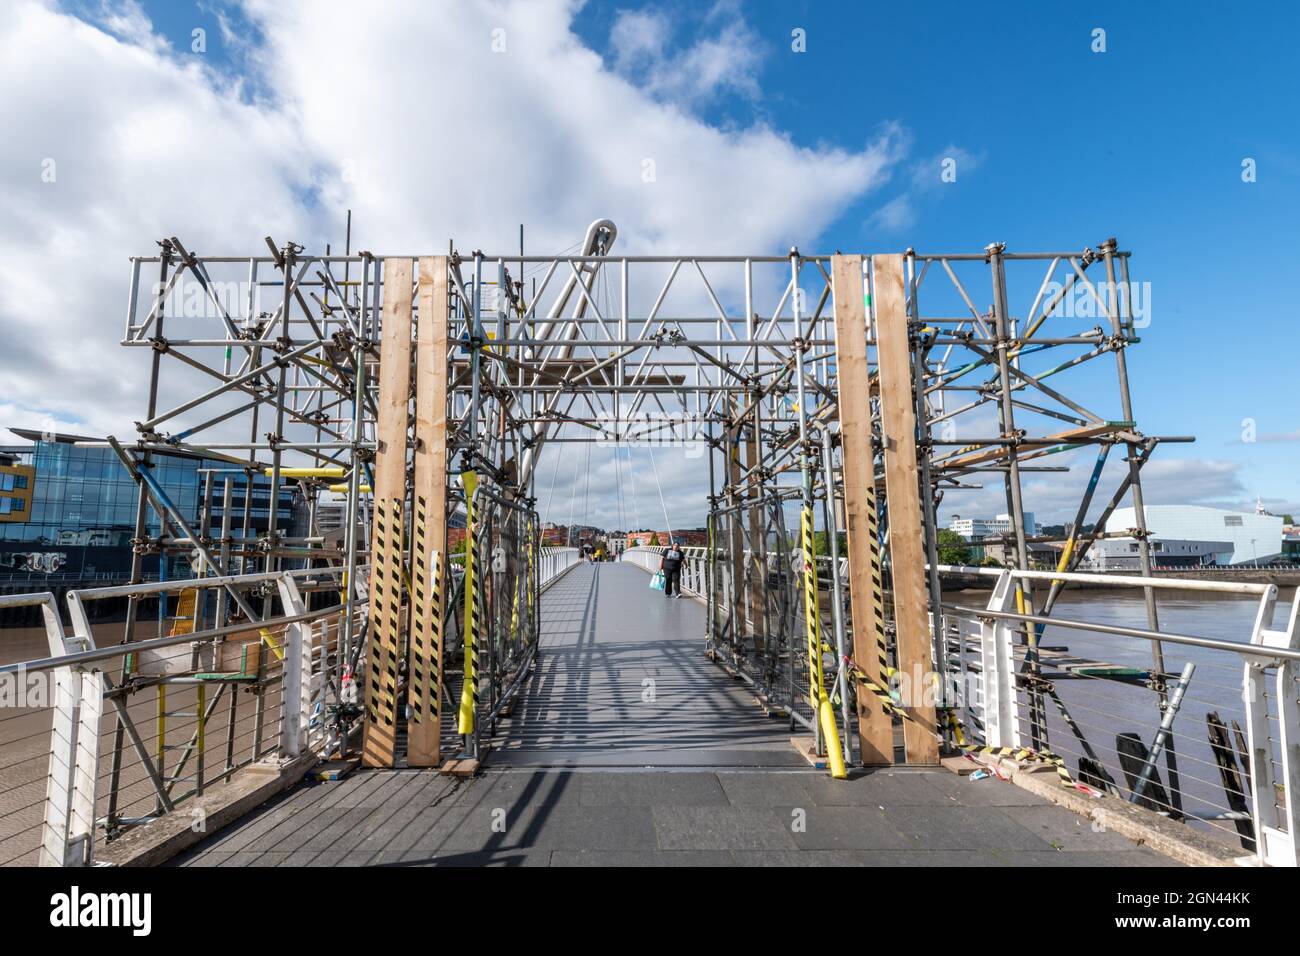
x,y
695,562
554,562
290,661
1257,678
1251,681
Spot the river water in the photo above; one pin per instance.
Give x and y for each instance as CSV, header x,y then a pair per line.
x,y
1105,708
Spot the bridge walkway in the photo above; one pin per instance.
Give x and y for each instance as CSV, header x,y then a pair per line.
x,y
630,747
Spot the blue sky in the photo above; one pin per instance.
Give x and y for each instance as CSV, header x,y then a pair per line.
x,y
1057,147
1144,142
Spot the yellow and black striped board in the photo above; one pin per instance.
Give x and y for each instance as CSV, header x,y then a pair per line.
x,y
428,519
388,540
875,721
903,499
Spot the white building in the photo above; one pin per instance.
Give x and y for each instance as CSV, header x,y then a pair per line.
x,y
977,529
1254,536
1125,554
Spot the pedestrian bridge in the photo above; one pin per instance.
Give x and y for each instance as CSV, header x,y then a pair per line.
x,y
628,746
621,681
623,738
455,690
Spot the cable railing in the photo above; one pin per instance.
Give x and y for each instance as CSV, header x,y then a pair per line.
x,y
96,741
1208,737
1211,737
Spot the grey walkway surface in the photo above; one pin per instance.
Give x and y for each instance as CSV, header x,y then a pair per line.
x,y
629,747
622,680
664,818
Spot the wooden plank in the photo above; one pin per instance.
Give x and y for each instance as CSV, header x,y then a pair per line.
x,y
903,498
387,543
429,519
875,727
1080,433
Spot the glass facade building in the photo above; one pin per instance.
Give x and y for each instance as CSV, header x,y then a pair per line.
x,y
79,496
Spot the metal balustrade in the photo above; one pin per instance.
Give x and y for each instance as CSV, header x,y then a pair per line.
x,y
1077,705
127,733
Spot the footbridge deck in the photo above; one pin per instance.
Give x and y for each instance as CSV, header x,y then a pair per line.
x,y
628,746
622,681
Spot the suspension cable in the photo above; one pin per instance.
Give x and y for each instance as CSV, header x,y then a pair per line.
x,y
663,504
631,473
550,496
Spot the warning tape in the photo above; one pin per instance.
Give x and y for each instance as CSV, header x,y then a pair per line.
x,y
1023,754
954,726
887,702
811,610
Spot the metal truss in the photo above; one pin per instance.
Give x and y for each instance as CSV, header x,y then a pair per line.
x,y
276,359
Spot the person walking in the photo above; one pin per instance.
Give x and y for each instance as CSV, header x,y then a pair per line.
x,y
671,565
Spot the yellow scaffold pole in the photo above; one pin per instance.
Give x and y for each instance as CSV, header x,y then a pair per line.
x,y
469,689
818,699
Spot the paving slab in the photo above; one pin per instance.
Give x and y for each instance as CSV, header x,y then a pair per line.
x,y
963,828
722,828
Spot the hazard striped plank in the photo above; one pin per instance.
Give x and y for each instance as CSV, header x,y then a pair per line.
x,y
388,539
429,519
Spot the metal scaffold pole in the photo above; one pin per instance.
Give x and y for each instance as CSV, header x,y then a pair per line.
x,y
867,404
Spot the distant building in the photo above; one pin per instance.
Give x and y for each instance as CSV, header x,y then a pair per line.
x,y
331,516
1041,555
70,509
1291,544
16,484
554,535
1125,554
1254,537
691,537
977,529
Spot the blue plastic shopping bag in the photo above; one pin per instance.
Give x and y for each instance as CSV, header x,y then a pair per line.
x,y
657,582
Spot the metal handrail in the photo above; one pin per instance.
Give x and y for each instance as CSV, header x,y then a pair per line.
x,y
117,650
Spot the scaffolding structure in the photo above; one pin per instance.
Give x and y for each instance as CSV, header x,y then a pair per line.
x,y
840,394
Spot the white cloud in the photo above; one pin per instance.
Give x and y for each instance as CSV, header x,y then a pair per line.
x,y
1054,497
727,61
925,185
894,216
397,111
137,147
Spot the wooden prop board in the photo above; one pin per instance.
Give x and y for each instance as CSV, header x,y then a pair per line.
x,y
388,538
429,519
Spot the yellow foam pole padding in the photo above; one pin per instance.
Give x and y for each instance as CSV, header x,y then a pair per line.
x,y
469,690
327,471
818,697
272,643
343,489
826,716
